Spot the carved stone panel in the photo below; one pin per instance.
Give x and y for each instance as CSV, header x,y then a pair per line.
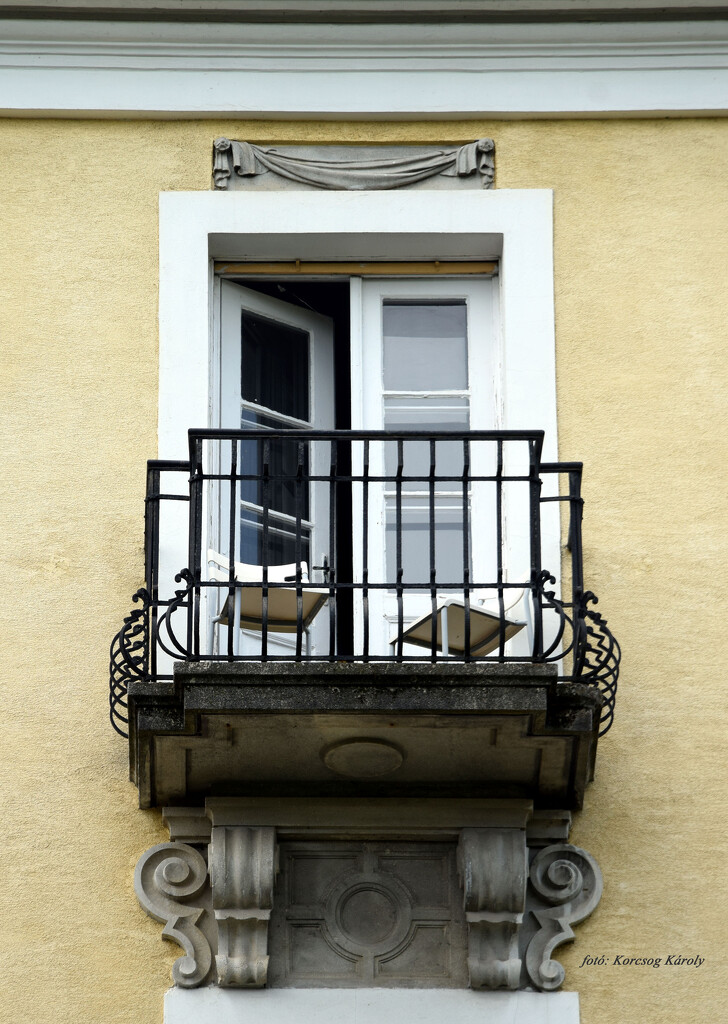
x,y
353,909
242,165
368,914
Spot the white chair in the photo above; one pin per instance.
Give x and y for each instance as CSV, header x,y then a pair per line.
x,y
485,622
283,602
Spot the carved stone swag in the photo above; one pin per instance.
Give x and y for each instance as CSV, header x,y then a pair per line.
x,y
239,164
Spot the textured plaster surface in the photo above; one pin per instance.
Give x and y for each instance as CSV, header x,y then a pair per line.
x,y
641,235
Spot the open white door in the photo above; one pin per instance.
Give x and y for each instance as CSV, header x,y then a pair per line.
x,y
276,372
424,357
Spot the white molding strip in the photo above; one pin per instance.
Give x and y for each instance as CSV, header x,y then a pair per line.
x,y
367,1006
134,69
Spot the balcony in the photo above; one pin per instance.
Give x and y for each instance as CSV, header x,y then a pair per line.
x,y
368,613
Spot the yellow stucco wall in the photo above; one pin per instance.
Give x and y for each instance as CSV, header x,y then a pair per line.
x,y
641,228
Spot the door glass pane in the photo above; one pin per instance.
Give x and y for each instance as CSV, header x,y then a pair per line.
x,y
281,547
415,542
287,488
425,346
427,413
275,366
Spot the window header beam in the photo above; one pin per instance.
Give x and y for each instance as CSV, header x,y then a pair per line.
x,y
341,268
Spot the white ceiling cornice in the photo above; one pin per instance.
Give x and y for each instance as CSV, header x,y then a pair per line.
x,y
358,11
111,69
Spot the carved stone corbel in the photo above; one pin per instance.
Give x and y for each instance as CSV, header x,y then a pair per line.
x,y
493,866
243,866
167,877
569,878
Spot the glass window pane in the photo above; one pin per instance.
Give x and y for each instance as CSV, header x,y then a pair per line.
x,y
425,347
281,548
284,488
427,413
275,366
416,540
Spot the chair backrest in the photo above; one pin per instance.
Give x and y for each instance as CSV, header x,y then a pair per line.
x,y
245,572
488,598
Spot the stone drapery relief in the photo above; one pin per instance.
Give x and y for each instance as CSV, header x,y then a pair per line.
x,y
240,164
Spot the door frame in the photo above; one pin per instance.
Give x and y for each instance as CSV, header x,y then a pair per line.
x,y
514,226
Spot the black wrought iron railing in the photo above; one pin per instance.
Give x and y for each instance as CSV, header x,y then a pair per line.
x,y
299,545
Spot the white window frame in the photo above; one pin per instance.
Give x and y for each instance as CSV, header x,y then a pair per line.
x,y
516,226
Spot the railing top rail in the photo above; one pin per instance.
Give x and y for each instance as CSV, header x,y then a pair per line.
x,y
168,465
562,467
198,435
222,434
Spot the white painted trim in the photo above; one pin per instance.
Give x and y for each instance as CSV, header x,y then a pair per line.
x,y
128,69
513,224
367,1006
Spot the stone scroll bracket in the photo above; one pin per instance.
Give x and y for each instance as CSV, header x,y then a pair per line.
x,y
568,879
243,866
562,888
238,164
170,881
493,865
173,885
523,887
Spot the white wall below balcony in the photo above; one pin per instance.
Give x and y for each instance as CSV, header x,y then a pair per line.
x,y
367,1006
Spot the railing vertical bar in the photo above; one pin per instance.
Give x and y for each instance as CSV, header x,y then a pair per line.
x,y
535,517
232,538
151,552
576,511
466,548
264,553
195,544
333,560
499,546
432,551
576,514
298,497
365,549
398,545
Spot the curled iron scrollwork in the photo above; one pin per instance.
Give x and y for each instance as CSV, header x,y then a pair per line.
x,y
577,638
597,658
582,635
128,659
130,656
181,599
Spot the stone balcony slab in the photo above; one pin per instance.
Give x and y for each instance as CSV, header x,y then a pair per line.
x,y
376,729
